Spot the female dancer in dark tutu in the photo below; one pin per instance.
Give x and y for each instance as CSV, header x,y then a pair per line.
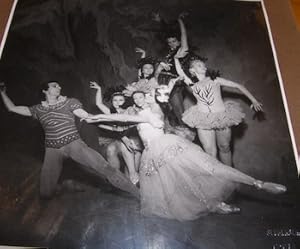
x,y
126,143
178,180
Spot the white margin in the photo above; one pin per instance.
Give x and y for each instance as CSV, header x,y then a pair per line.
x,y
285,103
4,37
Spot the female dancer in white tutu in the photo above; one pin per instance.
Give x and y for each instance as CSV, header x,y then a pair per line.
x,y
211,116
177,179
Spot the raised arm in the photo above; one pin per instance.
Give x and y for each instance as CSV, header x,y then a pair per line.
x,y
257,106
184,41
143,55
22,110
99,100
142,51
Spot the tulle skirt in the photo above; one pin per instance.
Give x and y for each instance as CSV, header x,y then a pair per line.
x,y
179,181
195,118
105,141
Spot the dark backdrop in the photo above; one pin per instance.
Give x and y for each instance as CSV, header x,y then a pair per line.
x,y
73,42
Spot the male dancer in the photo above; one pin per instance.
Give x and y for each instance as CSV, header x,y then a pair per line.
x,y
62,140
166,70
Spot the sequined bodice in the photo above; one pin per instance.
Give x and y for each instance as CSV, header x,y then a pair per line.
x,y
146,131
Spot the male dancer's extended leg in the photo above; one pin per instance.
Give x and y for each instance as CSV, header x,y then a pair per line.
x,y
50,172
112,154
90,158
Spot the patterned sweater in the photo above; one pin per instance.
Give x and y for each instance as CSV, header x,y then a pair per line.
x,y
58,122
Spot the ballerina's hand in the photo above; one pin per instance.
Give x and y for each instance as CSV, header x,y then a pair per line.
x,y
129,144
181,53
165,66
183,15
92,119
83,119
257,106
156,17
140,50
94,85
2,87
179,78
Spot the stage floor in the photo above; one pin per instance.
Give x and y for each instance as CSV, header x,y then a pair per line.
x,y
104,217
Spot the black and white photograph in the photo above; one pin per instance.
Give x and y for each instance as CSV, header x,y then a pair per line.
x,y
145,125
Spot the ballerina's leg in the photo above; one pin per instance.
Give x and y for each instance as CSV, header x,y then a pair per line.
x,y
223,143
208,141
130,163
226,172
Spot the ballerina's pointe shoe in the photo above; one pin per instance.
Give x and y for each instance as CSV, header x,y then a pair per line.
x,y
270,187
223,208
135,179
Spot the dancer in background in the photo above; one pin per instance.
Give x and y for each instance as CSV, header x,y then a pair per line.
x,y
211,116
146,79
148,83
178,180
62,140
166,70
128,148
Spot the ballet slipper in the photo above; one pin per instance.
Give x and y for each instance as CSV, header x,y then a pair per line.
x,y
223,208
134,179
270,187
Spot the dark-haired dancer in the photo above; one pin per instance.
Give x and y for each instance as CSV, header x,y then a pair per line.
x,y
166,69
211,116
62,140
177,179
128,147
147,81
147,84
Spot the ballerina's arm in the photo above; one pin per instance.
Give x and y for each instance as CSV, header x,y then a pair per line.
x,y
117,128
99,100
181,73
126,118
184,41
143,55
257,106
142,51
118,118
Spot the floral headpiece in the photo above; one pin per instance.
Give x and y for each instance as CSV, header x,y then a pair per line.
x,y
113,91
143,85
147,60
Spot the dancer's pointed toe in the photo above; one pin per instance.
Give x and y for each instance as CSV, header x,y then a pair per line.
x,y
223,208
270,187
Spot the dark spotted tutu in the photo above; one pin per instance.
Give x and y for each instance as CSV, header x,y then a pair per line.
x,y
195,118
105,141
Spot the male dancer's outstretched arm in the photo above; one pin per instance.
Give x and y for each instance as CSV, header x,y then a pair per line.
x,y
22,110
77,149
